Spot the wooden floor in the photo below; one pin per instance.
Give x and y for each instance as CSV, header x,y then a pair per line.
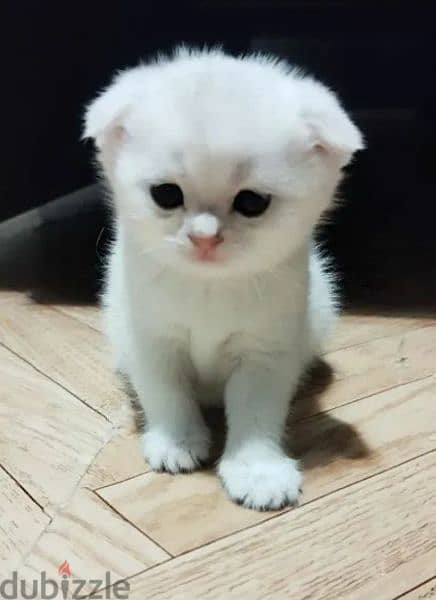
x,y
74,486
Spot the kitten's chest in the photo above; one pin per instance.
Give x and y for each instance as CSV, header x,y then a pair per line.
x,y
221,326
223,329
213,327
209,359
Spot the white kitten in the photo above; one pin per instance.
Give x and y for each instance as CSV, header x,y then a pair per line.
x,y
220,168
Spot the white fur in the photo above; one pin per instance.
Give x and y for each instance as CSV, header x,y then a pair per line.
x,y
243,327
204,225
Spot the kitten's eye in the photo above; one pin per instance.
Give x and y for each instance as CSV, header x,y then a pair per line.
x,y
167,195
250,204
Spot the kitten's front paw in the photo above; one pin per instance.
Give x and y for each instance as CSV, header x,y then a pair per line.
x,y
166,453
261,483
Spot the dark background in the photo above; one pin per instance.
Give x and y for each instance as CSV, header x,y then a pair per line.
x,y
379,56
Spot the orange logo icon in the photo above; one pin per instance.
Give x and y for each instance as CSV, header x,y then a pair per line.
x,y
64,569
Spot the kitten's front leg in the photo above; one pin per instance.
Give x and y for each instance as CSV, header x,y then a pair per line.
x,y
176,438
254,469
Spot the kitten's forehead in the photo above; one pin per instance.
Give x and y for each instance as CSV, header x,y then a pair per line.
x,y
215,168
209,178
207,154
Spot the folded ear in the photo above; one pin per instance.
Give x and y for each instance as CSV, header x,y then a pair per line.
x,y
104,115
332,131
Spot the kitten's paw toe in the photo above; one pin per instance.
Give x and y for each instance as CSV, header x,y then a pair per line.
x,y
166,453
262,484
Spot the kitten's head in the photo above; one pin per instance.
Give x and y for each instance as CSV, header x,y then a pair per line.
x,y
219,166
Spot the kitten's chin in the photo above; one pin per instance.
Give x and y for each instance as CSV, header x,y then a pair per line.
x,y
221,264
214,266
206,259
208,266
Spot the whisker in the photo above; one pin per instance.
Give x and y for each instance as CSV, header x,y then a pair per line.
x,y
152,250
257,287
175,240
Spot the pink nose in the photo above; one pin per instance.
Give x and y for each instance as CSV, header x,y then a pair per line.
x,y
206,244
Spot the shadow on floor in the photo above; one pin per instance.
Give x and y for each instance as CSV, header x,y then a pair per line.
x,y
320,438
61,261
317,440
